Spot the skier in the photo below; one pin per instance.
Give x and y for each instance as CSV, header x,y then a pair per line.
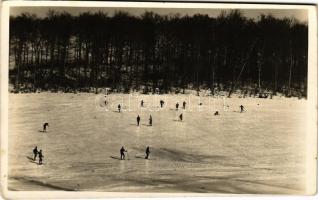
x,y
122,153
44,126
242,108
105,100
150,120
181,117
35,152
40,157
138,120
142,103
119,107
216,113
161,103
184,104
177,106
147,152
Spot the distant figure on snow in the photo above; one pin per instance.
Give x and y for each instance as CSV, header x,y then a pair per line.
x,y
150,120
44,126
119,107
138,120
40,157
216,113
242,108
35,152
177,106
161,103
105,100
184,105
142,103
181,117
122,153
147,152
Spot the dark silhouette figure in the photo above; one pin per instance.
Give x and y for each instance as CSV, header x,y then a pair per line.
x,y
35,152
184,105
177,106
122,153
147,152
181,117
142,103
119,107
138,120
105,100
44,126
161,103
242,108
150,120
216,113
40,157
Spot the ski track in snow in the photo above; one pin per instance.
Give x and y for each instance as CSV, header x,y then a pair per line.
x,y
259,151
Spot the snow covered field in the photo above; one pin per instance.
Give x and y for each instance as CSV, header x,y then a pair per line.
x,y
259,151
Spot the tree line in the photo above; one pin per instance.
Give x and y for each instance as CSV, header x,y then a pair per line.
x,y
124,52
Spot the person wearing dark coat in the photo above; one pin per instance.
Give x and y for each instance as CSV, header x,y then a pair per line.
x,y
161,103
181,117
35,152
147,152
150,120
184,105
44,126
242,108
122,153
138,120
40,157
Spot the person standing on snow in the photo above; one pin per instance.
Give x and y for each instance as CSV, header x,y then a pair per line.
x,y
44,126
150,120
40,157
184,105
147,152
242,108
105,100
35,152
161,103
122,153
181,117
138,120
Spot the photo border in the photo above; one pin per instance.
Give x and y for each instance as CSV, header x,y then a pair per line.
x,y
311,126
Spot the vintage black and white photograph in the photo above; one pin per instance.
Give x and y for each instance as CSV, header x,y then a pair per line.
x,y
160,99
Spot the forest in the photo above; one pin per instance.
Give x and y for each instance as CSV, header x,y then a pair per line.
x,y
151,52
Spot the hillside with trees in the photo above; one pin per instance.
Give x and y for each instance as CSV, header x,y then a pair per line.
x,y
232,53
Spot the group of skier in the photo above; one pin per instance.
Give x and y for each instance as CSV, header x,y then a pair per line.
x,y
177,107
38,153
123,150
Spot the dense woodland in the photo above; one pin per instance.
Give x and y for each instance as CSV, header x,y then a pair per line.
x,y
229,53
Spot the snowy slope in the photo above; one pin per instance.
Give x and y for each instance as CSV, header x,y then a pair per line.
x,y
259,151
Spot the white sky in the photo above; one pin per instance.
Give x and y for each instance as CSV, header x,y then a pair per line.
x,y
300,14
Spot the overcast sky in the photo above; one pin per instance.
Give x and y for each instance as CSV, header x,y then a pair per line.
x,y
299,14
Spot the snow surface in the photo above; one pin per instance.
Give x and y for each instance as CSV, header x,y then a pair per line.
x,y
259,151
